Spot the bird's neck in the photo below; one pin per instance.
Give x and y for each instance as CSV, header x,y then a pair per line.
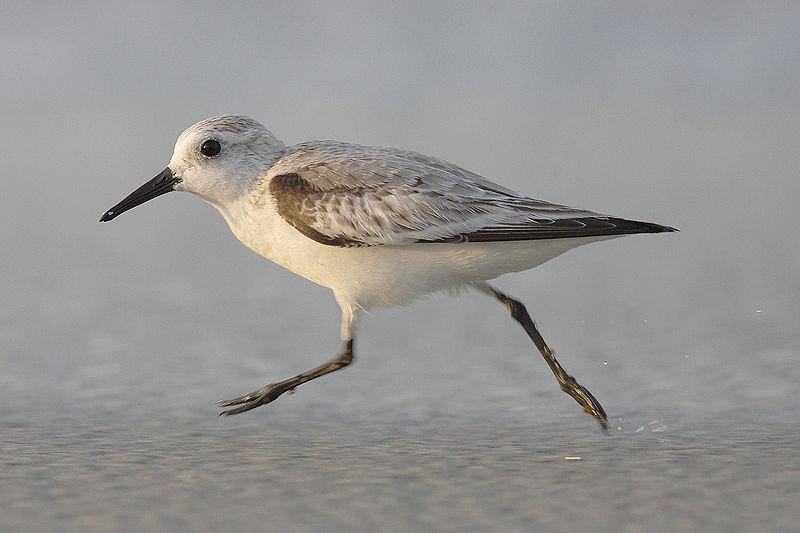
x,y
248,225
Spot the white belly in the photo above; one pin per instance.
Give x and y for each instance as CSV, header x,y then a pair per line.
x,y
391,275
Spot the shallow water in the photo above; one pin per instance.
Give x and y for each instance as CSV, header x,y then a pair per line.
x,y
309,469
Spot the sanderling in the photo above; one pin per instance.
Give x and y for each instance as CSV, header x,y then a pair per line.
x,y
377,226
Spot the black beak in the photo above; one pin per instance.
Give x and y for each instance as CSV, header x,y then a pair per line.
x,y
163,183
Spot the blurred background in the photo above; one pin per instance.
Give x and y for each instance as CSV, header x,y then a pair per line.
x,y
116,339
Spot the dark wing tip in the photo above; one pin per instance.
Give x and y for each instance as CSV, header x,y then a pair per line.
x,y
565,228
624,226
601,226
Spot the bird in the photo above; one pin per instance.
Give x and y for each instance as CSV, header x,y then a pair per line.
x,y
379,226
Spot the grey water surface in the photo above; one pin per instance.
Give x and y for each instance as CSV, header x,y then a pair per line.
x,y
116,339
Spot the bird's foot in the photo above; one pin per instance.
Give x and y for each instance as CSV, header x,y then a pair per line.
x,y
586,400
262,396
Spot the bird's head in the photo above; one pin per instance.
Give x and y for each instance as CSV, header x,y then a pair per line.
x,y
218,159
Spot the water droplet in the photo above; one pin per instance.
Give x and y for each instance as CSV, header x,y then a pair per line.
x,y
759,310
605,362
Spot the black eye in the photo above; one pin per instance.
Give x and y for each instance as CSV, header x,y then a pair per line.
x,y
210,148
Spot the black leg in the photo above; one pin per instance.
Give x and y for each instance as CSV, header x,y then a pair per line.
x,y
567,382
273,390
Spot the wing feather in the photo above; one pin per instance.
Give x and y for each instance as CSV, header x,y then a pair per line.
x,y
343,194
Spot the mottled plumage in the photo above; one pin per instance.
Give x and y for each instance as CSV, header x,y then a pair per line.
x,y
351,195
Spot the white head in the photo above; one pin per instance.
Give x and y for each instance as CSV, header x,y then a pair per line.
x,y
221,157
218,159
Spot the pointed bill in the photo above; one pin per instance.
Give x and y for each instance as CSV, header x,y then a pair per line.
x,y
161,184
